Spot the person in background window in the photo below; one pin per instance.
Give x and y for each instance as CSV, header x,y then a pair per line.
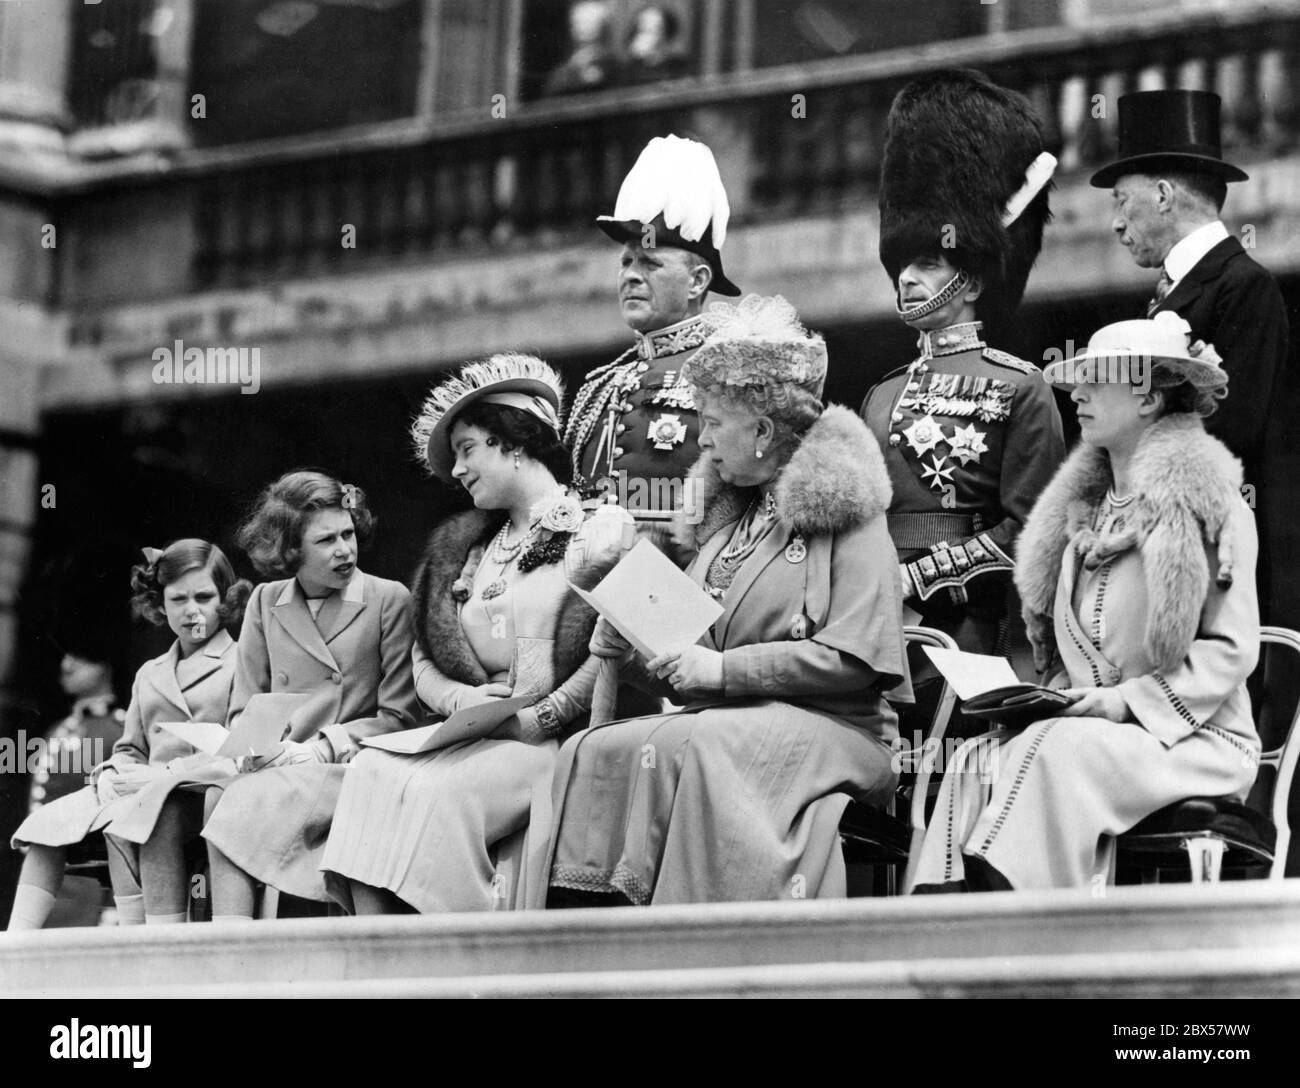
x,y
653,50
591,61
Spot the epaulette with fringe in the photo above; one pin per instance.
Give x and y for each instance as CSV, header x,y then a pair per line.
x,y
1002,358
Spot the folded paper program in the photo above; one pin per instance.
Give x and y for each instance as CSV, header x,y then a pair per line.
x,y
257,731
653,605
471,723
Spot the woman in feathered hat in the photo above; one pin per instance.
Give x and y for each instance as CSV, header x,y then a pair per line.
x,y
1136,570
739,796
448,830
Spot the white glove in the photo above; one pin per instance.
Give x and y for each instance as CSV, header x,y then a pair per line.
x,y
607,642
289,754
106,789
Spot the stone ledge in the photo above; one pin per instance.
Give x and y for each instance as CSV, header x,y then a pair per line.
x,y
1243,920
1167,974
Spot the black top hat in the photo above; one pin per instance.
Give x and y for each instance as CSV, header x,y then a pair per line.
x,y
1162,130
633,232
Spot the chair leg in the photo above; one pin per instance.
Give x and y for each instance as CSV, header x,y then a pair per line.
x,y
270,906
1205,855
913,859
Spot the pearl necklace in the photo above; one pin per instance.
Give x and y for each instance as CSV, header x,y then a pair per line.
x,y
503,555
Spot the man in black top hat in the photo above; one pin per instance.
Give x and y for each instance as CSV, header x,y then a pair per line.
x,y
632,425
1169,185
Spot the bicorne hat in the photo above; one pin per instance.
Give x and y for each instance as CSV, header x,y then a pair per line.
x,y
1164,130
965,175
674,195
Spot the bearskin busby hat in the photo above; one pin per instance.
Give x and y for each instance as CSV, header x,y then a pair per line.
x,y
965,175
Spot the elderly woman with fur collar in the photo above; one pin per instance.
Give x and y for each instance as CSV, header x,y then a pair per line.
x,y
739,795
448,829
1136,572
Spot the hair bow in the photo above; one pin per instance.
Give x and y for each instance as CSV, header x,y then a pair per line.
x,y
152,555
349,497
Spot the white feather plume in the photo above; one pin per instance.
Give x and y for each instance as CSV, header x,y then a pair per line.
x,y
679,179
1038,174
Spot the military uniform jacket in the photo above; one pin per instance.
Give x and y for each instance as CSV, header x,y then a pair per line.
x,y
633,428
73,747
971,436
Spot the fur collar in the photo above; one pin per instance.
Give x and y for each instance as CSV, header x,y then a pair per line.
x,y
836,479
455,549
1185,485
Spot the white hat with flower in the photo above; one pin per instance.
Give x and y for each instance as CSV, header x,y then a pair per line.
x,y
1125,347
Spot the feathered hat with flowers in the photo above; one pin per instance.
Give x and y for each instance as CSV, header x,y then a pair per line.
x,y
517,381
758,342
675,191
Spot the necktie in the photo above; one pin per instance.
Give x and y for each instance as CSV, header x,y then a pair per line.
x,y
1162,292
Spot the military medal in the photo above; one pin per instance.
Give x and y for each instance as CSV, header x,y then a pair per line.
x,y
923,435
968,444
667,431
796,551
936,473
995,402
674,394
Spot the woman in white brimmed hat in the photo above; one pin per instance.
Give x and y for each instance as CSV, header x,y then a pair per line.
x,y
1136,570
494,617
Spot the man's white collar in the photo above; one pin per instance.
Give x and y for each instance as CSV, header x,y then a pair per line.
x,y
1187,253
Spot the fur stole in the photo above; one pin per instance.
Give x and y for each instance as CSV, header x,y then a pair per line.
x,y
835,480
1185,485
455,549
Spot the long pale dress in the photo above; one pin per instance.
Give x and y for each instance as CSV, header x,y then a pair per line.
x,y
466,828
1043,806
741,798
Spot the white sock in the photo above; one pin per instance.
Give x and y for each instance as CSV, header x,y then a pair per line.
x,y
130,910
164,919
32,906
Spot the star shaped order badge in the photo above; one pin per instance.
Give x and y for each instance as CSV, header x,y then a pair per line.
x,y
968,444
936,473
667,431
923,435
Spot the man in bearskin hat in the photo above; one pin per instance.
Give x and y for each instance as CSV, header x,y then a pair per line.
x,y
1168,186
632,425
971,435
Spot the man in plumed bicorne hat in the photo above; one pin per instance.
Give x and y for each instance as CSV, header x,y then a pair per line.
x,y
632,426
1169,185
971,435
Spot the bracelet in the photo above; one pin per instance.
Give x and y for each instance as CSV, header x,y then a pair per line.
x,y
548,718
